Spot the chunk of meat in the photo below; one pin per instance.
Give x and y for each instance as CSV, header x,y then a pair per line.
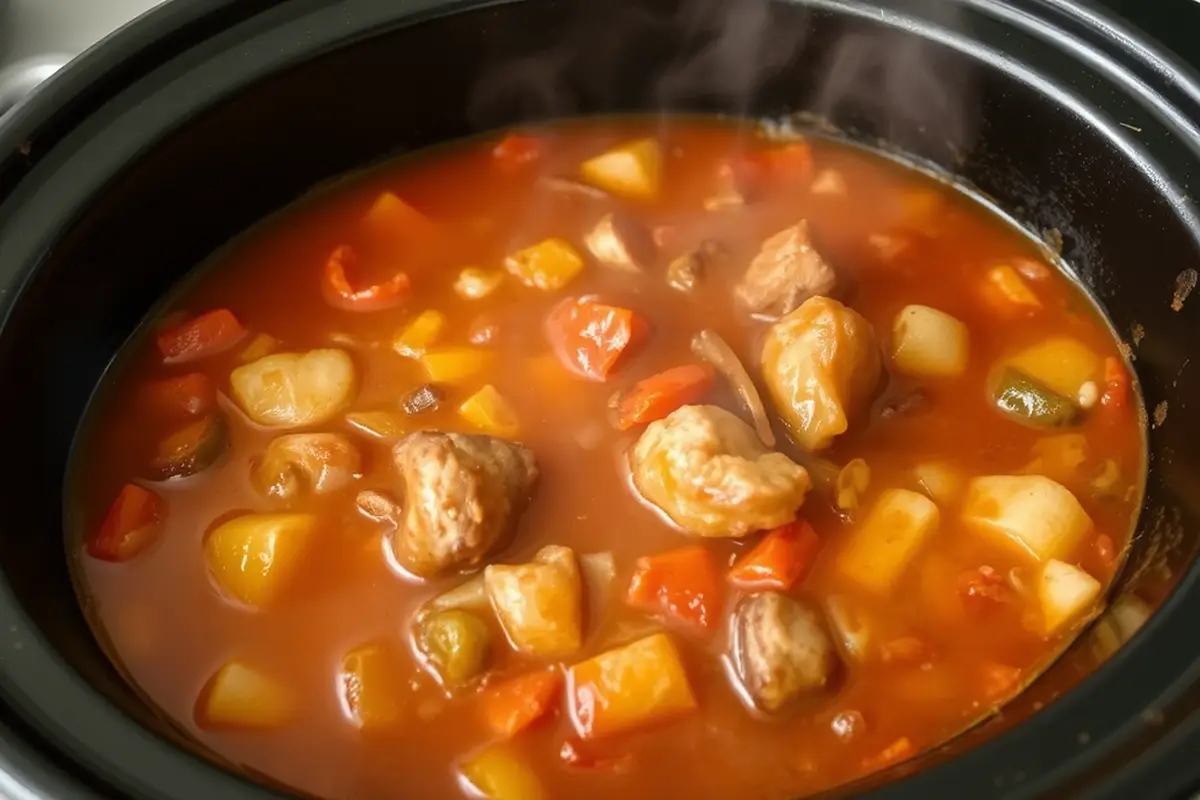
x,y
786,272
621,242
317,462
462,496
707,470
780,649
685,272
821,364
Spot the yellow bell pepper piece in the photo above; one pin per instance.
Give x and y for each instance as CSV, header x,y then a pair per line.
x,y
453,364
498,773
549,265
240,696
420,334
488,411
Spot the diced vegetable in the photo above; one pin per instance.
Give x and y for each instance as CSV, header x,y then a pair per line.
x,y
549,265
780,560
423,399
1027,401
882,547
475,284
291,390
372,687
190,395
1007,293
709,345
261,345
379,424
200,337
657,396
850,626
315,462
1116,384
939,480
132,524
498,773
1032,512
253,557
392,220
632,170
1066,594
340,294
927,342
514,705
1060,364
456,645
517,149
681,585
621,242
420,334
469,596
629,687
241,696
851,484
191,449
490,413
539,604
455,364
590,338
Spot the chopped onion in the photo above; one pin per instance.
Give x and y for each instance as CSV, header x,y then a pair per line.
x,y
709,345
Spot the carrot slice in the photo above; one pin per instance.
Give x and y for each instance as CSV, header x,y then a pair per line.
x,y
202,336
514,705
131,525
657,396
589,337
1116,384
340,294
188,395
781,559
517,149
681,584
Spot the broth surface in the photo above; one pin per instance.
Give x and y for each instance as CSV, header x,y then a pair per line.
x,y
940,655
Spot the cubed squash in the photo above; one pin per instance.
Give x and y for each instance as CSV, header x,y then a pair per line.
x,y
629,687
1066,594
455,364
929,343
1061,364
372,687
420,334
291,390
631,170
252,557
548,265
490,413
499,773
1032,512
380,424
475,284
539,604
895,529
242,696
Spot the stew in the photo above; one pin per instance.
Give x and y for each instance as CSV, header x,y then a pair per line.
x,y
628,456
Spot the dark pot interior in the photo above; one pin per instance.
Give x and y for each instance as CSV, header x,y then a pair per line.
x,y
134,166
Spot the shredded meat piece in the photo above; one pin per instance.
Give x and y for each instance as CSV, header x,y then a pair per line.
x,y
786,272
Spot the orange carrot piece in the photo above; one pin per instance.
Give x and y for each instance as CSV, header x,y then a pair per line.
x,y
202,336
780,560
999,680
1116,384
340,294
517,149
131,525
681,584
590,338
514,705
188,395
899,750
657,396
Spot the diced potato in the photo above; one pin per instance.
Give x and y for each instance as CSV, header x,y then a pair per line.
x,y
253,557
456,645
470,596
849,626
380,424
1066,594
1007,292
1033,512
475,284
539,604
291,390
372,688
942,482
498,773
241,696
1061,364
882,547
260,346
455,364
631,170
549,265
630,687
927,342
488,411
419,335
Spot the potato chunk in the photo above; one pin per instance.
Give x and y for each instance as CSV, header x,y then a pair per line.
x,y
539,604
821,365
498,773
241,696
549,265
632,170
929,343
634,686
316,462
1038,515
490,413
1066,593
253,557
372,687
880,550
291,390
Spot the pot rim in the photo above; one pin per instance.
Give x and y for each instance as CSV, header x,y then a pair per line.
x,y
69,105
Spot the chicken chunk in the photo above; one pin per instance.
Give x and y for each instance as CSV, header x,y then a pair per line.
x,y
780,649
462,497
821,364
621,242
786,272
707,470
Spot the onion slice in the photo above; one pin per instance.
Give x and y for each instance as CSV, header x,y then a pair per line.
x,y
709,345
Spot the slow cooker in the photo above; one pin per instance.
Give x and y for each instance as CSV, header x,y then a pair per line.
x,y
150,151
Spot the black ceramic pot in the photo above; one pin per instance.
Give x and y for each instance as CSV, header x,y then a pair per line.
x,y
155,148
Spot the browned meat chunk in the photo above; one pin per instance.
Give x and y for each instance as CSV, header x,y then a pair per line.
x,y
685,272
780,649
462,497
621,242
786,272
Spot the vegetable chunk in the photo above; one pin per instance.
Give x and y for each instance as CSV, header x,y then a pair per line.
x,y
632,170
1066,594
590,338
1026,401
549,265
242,696
253,557
132,524
455,364
930,343
419,335
657,396
539,604
372,688
1061,364
456,645
780,560
634,686
498,773
1036,514
191,449
200,337
316,462
880,550
681,584
489,412
292,390
516,704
